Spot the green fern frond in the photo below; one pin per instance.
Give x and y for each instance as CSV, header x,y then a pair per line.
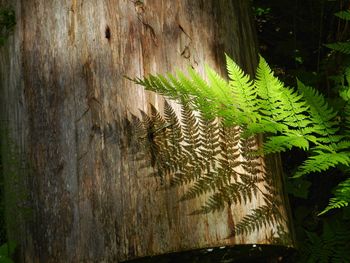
x,y
334,203
322,116
197,95
269,89
293,110
207,102
281,143
343,14
341,197
282,109
160,85
317,252
199,152
331,246
219,86
322,161
235,102
341,145
213,98
343,47
243,90
264,126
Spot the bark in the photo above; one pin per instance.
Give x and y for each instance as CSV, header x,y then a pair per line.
x,y
67,106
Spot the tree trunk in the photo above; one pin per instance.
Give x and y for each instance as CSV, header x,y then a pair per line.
x,y
68,108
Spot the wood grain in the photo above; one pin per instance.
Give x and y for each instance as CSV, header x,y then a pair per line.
x,y
67,103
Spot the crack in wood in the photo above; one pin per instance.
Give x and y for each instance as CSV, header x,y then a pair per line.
x,y
186,53
183,31
140,10
150,29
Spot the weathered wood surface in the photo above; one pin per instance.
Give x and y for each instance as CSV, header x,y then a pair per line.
x,y
67,102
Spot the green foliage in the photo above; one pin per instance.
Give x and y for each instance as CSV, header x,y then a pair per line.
x,y
288,118
331,246
343,15
6,252
322,161
341,197
262,106
343,47
341,150
319,130
7,23
301,33
259,11
329,146
322,116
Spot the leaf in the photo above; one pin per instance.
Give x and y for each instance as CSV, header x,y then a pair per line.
x,y
322,116
243,91
322,161
188,150
343,14
343,47
7,249
276,144
341,197
4,259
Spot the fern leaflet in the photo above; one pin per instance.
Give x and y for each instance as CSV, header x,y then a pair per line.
x,y
343,47
343,14
341,197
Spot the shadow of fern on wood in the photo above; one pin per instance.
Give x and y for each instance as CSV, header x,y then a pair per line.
x,y
209,159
